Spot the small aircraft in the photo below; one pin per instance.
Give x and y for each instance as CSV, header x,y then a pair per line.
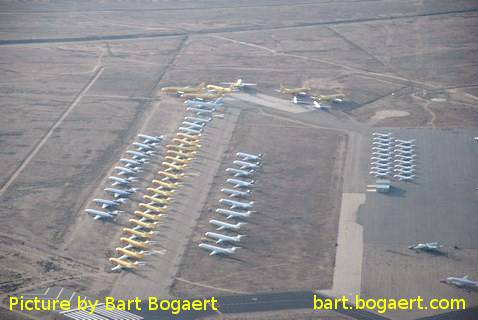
x,y
198,120
237,204
405,142
246,165
241,183
379,174
220,89
240,173
188,136
404,178
132,163
239,84
150,139
201,111
188,89
128,171
102,214
217,250
136,155
204,104
171,176
406,157
120,193
143,146
109,203
463,282
221,225
121,264
429,246
236,193
220,238
247,156
294,91
384,149
380,134
143,224
189,130
331,97
405,148
208,96
380,169
233,214
121,181
178,159
380,162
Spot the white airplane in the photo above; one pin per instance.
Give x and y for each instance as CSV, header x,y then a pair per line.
x,y
198,120
379,174
121,181
405,172
405,142
382,166
429,246
236,193
237,204
405,157
404,178
109,203
246,165
241,183
196,126
240,173
201,111
386,139
143,146
387,149
204,104
221,225
239,84
379,134
150,139
136,155
233,214
220,238
128,171
404,148
132,163
217,250
103,215
404,162
399,166
463,282
382,154
189,130
319,106
247,156
119,193
380,162
389,159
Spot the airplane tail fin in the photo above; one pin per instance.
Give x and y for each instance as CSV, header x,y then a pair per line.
x,y
234,249
240,236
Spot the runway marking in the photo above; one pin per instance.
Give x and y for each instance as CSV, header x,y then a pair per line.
x,y
59,293
32,154
210,287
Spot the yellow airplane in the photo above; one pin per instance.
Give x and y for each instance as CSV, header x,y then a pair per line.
x,y
147,225
170,175
187,142
145,235
182,153
135,243
221,89
181,147
174,166
187,136
169,185
202,96
178,160
157,200
152,208
124,264
294,91
200,87
161,192
331,97
154,217
129,253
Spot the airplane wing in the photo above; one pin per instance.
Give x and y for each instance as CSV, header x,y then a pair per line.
x,y
213,252
116,195
220,228
230,216
104,206
219,241
97,217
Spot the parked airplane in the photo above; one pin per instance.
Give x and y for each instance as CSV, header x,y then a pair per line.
x,y
121,264
143,224
143,146
189,130
221,225
246,165
164,184
237,204
320,106
399,166
132,163
177,159
429,246
217,250
302,90
136,155
120,193
380,153
220,89
190,143
198,120
240,173
173,166
132,254
194,125
385,149
139,234
406,142
187,89
241,183
381,158
102,214
171,176
239,84
201,111
150,139
380,162
109,203
136,243
210,105
379,175
404,162
249,156
331,97
380,134
404,178
233,214
404,148
236,193
188,136
220,238
382,144
157,200
406,157
128,171
202,96
383,138
463,282
166,193
142,214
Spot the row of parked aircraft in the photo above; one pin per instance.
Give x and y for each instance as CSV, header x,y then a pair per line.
x,y
207,92
237,202
303,95
181,150
121,183
392,157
